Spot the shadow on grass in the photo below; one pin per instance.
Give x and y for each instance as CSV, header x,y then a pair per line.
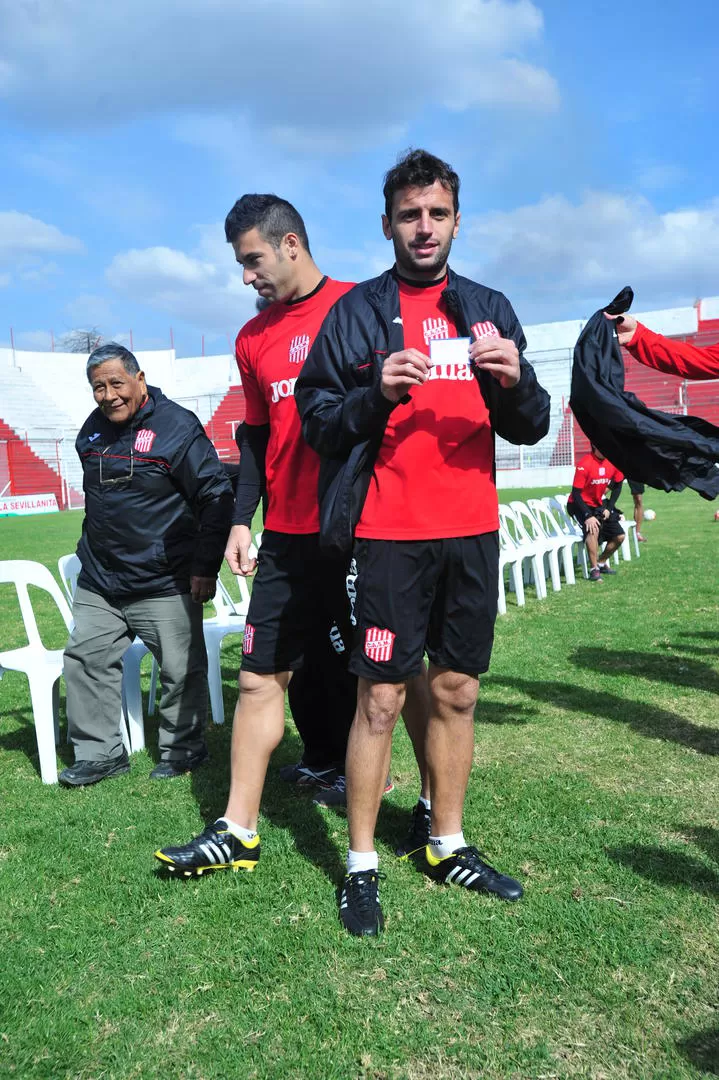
x,y
668,868
496,712
702,1050
644,719
660,666
23,738
703,635
704,836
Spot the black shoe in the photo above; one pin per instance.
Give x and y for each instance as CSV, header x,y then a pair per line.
x,y
465,867
308,776
165,770
418,836
595,574
91,772
336,795
605,568
214,849
360,910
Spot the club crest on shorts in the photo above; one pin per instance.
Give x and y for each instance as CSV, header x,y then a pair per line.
x,y
485,329
378,644
248,640
299,348
144,440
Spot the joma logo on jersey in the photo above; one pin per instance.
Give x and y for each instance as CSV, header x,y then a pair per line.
x,y
282,389
144,440
379,644
299,347
485,329
435,330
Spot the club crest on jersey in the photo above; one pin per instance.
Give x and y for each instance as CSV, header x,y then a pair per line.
x,y
378,644
435,330
485,329
248,640
144,440
299,348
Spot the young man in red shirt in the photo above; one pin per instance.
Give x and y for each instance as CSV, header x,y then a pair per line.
x,y
408,468
595,491
299,593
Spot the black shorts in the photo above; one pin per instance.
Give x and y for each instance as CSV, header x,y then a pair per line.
x,y
414,596
635,487
608,530
297,597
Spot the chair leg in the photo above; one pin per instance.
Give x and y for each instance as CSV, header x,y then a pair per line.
x,y
152,702
42,693
540,582
56,710
132,695
554,569
518,582
214,679
502,599
568,561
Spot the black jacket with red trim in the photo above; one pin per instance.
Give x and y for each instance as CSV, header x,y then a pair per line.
x,y
343,410
158,504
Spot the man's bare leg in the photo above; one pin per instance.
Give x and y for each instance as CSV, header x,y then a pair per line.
x,y
369,751
592,548
610,547
258,727
450,745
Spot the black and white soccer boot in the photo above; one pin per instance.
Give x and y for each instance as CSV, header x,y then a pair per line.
x,y
360,910
467,868
214,849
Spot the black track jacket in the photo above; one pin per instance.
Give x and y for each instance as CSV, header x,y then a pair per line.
x,y
166,518
343,410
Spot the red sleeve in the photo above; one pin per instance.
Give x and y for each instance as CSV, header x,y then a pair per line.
x,y
256,411
580,477
674,357
618,477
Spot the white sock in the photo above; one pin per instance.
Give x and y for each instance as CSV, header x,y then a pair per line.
x,y
442,846
361,860
237,830
426,803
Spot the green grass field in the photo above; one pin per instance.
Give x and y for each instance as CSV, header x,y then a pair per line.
x,y
595,782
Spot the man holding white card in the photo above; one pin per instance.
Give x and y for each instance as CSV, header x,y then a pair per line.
x,y
408,380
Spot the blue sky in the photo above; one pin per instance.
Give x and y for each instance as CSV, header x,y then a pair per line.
x,y
584,135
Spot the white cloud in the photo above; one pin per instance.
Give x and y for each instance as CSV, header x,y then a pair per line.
x,y
21,234
203,289
88,310
313,76
558,259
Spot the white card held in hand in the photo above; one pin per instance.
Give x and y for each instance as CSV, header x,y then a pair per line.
x,y
450,351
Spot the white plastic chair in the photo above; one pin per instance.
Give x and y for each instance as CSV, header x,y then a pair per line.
x,y
229,618
509,555
542,512
526,547
133,727
534,531
559,502
42,666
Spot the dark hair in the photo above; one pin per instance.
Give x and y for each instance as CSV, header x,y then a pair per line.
x,y
112,351
417,168
272,216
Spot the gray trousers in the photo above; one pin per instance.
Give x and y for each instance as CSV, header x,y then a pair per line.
x,y
171,627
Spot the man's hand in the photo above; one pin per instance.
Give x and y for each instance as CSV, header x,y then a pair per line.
x,y
625,329
237,551
402,371
202,588
498,355
592,525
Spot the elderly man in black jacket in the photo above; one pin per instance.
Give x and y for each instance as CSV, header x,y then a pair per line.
x,y
158,509
404,419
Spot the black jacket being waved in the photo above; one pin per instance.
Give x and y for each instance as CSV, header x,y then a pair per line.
x,y
158,505
343,410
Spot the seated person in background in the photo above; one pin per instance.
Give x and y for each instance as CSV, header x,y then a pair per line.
x,y
158,510
598,517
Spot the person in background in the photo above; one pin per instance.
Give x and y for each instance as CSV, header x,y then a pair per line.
x,y
595,490
158,509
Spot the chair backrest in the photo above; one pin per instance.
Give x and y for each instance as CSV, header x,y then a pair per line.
x,y
22,573
69,567
527,520
542,512
509,520
558,503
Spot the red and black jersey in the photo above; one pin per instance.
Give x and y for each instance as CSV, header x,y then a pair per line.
x,y
593,477
270,351
674,357
433,476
